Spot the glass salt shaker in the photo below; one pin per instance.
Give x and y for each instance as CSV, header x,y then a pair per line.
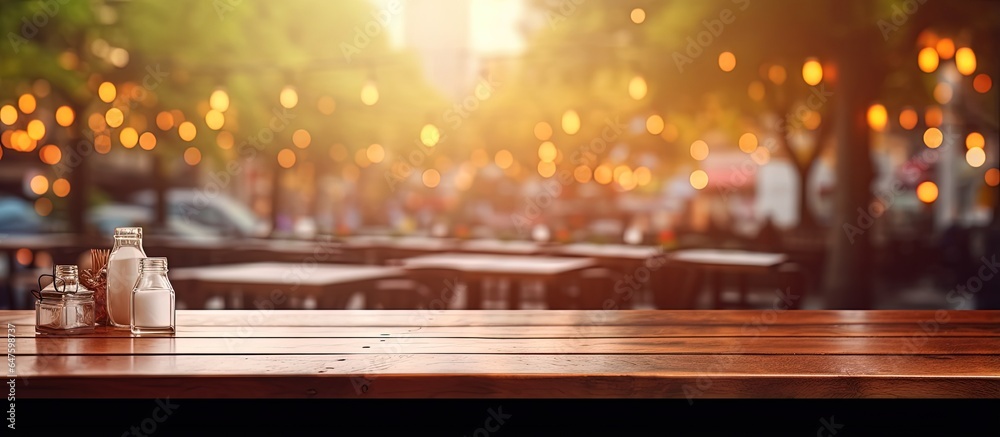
x,y
153,299
65,306
123,271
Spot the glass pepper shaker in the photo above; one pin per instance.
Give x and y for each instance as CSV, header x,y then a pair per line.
x,y
123,270
65,306
153,300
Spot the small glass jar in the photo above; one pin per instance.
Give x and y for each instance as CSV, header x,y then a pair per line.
x,y
65,306
152,305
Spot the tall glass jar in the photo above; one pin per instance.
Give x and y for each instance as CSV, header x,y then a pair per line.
x,y
65,306
153,299
123,271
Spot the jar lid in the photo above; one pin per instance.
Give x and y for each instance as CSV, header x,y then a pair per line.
x,y
70,292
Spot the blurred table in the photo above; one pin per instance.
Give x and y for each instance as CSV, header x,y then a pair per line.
x,y
522,354
65,248
718,262
500,247
332,285
472,269
381,249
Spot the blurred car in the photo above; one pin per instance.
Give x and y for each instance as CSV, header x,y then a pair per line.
x,y
222,214
105,218
18,216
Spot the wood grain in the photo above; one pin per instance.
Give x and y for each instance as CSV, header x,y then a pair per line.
x,y
523,354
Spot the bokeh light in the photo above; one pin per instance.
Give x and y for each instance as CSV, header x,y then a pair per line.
x,y
369,93
777,74
992,177
375,153
727,61
638,15
23,256
187,131
878,117
39,184
945,48
164,120
326,105
288,97
61,187
431,178
965,61
214,119
43,206
975,139
654,124
504,159
114,117
543,131
50,154
128,137
301,138
933,137
570,122
982,83
699,179
65,116
908,119
748,142
927,192
812,72
943,93
430,135
8,115
636,88
36,130
546,169
582,174
27,103
699,150
927,60
219,100
192,156
643,176
147,141
975,157
286,158
934,116
603,174
547,152
225,140
107,92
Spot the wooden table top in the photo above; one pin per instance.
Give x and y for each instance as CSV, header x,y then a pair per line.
x,y
618,251
727,257
498,263
523,354
277,273
513,247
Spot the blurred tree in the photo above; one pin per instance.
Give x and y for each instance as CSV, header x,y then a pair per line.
x,y
170,57
752,58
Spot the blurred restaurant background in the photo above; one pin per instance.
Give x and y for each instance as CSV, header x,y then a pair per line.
x,y
845,150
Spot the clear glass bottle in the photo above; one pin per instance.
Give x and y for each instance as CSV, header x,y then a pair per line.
x,y
123,271
65,306
153,309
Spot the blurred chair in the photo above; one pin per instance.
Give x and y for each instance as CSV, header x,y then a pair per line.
x,y
397,294
591,289
676,288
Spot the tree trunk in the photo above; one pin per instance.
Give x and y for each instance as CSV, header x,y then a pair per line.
x,y
848,278
160,193
79,177
276,184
